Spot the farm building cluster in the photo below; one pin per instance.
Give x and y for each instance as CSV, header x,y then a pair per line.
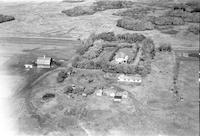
x,y
40,62
119,56
113,93
100,67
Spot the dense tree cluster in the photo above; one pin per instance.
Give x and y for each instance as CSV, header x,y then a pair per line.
x,y
5,18
64,74
136,13
91,59
61,76
79,10
130,38
106,36
126,37
189,12
104,5
195,29
48,96
148,48
94,51
78,90
86,45
167,20
97,6
135,25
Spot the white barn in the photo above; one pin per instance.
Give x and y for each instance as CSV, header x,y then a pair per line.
x,y
44,62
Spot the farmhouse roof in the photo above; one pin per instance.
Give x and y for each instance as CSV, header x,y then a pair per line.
x,y
134,77
120,55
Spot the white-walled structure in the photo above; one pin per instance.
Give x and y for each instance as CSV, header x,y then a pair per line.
x,y
121,58
134,79
28,66
44,62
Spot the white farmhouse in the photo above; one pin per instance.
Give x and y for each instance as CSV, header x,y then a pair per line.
x,y
133,79
121,58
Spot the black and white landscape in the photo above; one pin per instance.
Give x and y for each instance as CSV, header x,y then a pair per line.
x,y
99,68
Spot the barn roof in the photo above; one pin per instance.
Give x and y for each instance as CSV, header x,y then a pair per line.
x,y
43,60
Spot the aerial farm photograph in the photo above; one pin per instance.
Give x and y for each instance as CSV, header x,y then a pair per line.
x,y
99,67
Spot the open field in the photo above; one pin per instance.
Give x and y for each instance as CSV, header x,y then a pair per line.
x,y
165,103
46,19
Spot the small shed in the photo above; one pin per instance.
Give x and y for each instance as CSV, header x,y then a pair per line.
x,y
44,62
124,94
28,66
117,98
99,92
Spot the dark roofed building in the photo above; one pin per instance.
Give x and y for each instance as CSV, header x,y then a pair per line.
x,y
117,98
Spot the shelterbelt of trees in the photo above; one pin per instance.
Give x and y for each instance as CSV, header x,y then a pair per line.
x,y
5,18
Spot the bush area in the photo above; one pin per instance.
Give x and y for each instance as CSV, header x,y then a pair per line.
x,y
61,76
64,74
186,16
86,44
136,13
195,29
105,5
5,18
97,6
48,96
94,51
148,48
127,37
164,20
130,38
165,48
189,11
135,25
78,11
78,90
106,36
194,54
170,31
91,59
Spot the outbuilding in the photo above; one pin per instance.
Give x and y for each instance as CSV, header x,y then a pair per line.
x,y
124,94
117,98
109,92
133,79
99,92
28,66
44,62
